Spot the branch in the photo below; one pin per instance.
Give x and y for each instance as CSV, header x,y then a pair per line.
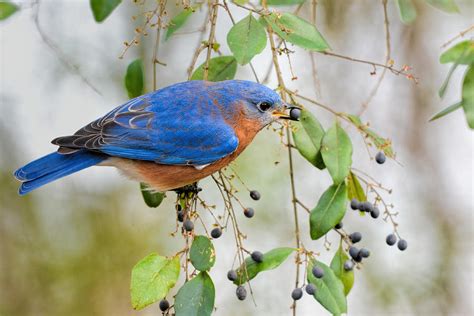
x,y
210,42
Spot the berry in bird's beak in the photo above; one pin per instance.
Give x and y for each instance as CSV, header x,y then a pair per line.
x,y
293,115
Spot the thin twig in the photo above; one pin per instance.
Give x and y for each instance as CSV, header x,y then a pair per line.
x,y
155,60
210,43
461,34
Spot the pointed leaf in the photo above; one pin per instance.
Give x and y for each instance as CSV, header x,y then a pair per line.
x,y
151,198
443,87
354,189
7,9
448,6
329,211
446,111
461,53
220,68
468,96
152,278
337,265
379,142
202,253
307,134
102,8
407,11
179,20
196,297
297,31
271,260
134,79
336,150
329,289
246,39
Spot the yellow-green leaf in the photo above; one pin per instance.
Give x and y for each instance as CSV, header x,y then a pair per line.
x,y
329,211
134,79
407,10
468,96
337,265
296,30
179,20
220,68
329,289
102,8
461,53
246,39
336,150
152,278
7,9
196,297
354,189
271,260
448,6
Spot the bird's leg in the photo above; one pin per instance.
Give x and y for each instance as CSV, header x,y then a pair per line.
x,y
188,190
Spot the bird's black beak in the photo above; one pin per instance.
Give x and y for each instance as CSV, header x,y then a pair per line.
x,y
289,112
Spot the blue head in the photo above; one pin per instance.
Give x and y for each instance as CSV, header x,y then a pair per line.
x,y
261,103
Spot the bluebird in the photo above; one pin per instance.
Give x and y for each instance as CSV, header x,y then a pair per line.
x,y
168,138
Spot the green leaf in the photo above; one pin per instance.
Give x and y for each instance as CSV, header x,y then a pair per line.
x,y
354,189
271,260
246,39
381,143
446,111
179,20
220,68
284,2
7,9
461,53
152,278
443,87
336,150
196,297
329,289
337,265
468,96
307,134
448,6
134,79
202,253
151,198
297,31
329,211
102,8
407,11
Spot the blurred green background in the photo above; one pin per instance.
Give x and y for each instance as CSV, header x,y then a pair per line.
x,y
68,248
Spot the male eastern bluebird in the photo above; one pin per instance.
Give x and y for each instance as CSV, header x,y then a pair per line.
x,y
167,138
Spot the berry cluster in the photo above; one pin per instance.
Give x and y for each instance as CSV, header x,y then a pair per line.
x,y
241,292
365,207
310,288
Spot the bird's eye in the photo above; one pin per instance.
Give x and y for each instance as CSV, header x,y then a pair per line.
x,y
263,106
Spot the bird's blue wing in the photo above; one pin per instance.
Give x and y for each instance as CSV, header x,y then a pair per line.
x,y
173,126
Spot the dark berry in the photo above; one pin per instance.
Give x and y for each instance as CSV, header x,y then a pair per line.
x,y
295,114
255,195
318,272
232,275
355,204
180,216
164,305
249,212
216,232
375,212
366,207
188,225
241,292
355,237
257,256
391,239
348,265
364,253
358,258
310,289
402,244
297,294
178,207
353,252
338,226
380,157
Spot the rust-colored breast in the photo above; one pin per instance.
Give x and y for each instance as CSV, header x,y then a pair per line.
x,y
167,177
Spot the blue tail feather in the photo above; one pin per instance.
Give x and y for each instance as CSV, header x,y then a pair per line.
x,y
54,166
